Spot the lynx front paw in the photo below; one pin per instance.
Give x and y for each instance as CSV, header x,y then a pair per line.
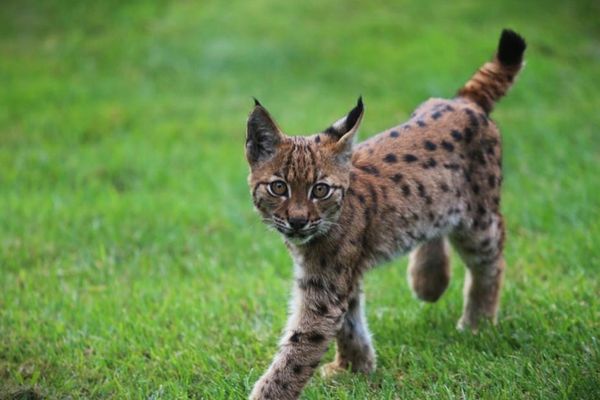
x,y
331,369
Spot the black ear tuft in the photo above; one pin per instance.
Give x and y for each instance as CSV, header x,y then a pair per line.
x,y
354,114
343,126
256,102
511,48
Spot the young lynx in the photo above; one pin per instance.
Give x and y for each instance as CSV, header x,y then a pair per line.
x,y
343,208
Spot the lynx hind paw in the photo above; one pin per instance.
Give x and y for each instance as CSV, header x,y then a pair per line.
x,y
472,325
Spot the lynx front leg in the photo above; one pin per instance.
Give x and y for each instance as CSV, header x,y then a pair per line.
x,y
354,348
316,318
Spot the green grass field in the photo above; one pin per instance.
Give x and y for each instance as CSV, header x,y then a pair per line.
x,y
132,264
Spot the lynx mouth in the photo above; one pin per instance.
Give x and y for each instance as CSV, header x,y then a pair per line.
x,y
298,237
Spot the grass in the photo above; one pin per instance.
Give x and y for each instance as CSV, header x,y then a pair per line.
x,y
132,264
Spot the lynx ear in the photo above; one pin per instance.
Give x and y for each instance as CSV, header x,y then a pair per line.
x,y
263,136
344,130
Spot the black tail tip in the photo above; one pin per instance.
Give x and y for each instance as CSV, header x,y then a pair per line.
x,y
511,47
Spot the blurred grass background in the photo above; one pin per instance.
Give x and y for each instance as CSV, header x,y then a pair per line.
x,y
132,264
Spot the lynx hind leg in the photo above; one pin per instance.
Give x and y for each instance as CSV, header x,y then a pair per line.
x,y
429,270
481,249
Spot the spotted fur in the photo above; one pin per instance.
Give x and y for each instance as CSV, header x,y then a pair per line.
x,y
410,188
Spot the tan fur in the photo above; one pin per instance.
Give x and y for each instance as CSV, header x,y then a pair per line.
x,y
408,188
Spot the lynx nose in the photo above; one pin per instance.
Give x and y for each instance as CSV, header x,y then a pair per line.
x,y
297,223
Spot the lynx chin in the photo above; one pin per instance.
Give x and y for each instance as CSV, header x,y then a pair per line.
x,y
343,208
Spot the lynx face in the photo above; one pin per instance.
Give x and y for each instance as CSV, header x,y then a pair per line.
x,y
298,183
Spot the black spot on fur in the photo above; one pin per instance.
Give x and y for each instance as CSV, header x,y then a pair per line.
x,y
396,178
297,369
484,225
467,175
452,166
421,123
492,181
447,146
431,163
429,145
390,158
362,199
421,189
444,187
373,194
478,156
448,108
469,135
475,188
406,190
394,134
369,169
436,115
511,48
316,337
480,209
352,303
318,139
295,338
456,135
314,365
409,158
322,308
472,118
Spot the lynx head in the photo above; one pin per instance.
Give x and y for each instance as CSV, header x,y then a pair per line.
x,y
298,183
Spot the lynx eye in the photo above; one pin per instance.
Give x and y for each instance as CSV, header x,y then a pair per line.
x,y
278,188
320,190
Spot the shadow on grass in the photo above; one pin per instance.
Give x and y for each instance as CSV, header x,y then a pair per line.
x,y
21,393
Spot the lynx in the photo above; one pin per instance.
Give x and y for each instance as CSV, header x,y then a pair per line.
x,y
344,208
